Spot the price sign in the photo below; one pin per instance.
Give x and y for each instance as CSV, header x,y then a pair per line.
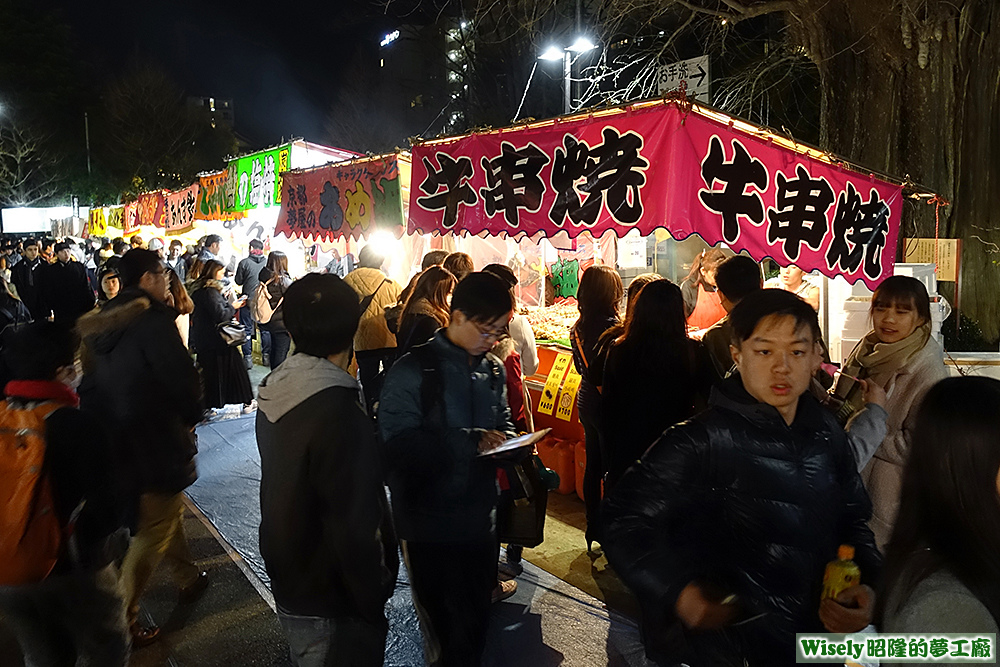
x,y
548,401
567,399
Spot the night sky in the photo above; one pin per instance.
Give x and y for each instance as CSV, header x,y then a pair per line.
x,y
280,62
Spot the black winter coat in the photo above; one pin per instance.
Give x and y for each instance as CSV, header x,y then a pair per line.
x,y
644,394
140,381
210,310
66,291
26,276
737,499
415,329
589,361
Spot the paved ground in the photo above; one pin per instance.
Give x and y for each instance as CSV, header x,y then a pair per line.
x,y
547,622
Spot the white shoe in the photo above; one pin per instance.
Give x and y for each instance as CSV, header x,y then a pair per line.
x,y
250,407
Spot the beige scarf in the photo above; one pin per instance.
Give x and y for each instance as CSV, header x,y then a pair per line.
x,y
875,361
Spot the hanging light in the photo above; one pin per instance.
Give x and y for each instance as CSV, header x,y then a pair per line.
x,y
581,45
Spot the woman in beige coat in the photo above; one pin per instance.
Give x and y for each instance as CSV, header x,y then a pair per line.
x,y
901,357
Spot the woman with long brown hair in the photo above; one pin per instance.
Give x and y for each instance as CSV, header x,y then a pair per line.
x,y
223,372
598,298
275,277
899,355
654,377
426,309
180,300
702,305
942,568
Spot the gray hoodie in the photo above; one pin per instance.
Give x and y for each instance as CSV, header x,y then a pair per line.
x,y
298,378
326,534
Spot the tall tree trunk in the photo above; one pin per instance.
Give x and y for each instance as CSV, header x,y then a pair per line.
x,y
920,99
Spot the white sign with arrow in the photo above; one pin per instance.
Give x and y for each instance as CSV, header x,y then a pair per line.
x,y
694,71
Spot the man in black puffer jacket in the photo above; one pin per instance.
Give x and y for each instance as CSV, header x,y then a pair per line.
x,y
724,528
140,380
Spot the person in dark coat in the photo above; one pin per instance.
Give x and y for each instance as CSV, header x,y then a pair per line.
x,y
248,277
140,381
275,275
599,296
444,495
426,309
76,611
223,372
66,287
724,527
326,533
26,276
654,377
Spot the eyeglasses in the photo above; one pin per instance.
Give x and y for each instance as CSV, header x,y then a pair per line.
x,y
487,334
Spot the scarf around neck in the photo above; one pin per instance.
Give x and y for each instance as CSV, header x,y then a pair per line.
x,y
875,361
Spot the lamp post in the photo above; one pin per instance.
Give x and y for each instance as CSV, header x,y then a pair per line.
x,y
566,54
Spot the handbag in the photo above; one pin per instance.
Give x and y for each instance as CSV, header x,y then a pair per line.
x,y
521,519
233,333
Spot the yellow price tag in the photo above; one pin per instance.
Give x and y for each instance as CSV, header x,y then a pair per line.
x,y
548,401
567,399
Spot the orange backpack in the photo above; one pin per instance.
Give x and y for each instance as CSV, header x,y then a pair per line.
x,y
30,533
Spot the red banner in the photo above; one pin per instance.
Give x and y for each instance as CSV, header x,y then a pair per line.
x,y
130,219
659,167
341,200
180,208
151,210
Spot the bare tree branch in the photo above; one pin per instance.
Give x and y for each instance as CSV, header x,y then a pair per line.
x,y
27,168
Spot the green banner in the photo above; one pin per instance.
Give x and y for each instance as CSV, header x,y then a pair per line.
x,y
254,181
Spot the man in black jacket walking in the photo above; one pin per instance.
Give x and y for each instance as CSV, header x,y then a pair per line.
x,y
248,277
325,534
66,287
139,378
727,522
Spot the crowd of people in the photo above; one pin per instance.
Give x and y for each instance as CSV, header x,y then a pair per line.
x,y
723,473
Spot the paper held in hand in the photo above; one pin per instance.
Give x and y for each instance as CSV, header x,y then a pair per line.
x,y
525,440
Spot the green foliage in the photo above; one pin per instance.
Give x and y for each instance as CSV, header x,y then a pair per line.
x,y
970,336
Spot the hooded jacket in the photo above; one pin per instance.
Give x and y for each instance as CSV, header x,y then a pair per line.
x,y
441,490
247,272
373,332
325,533
141,382
737,499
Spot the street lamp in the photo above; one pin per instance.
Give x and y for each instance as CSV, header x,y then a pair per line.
x,y
553,52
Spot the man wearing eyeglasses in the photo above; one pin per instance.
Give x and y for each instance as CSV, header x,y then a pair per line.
x,y
140,381
443,404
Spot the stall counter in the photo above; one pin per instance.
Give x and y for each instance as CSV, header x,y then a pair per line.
x,y
569,430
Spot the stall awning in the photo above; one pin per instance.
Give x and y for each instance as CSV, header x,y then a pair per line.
x,y
662,164
345,199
